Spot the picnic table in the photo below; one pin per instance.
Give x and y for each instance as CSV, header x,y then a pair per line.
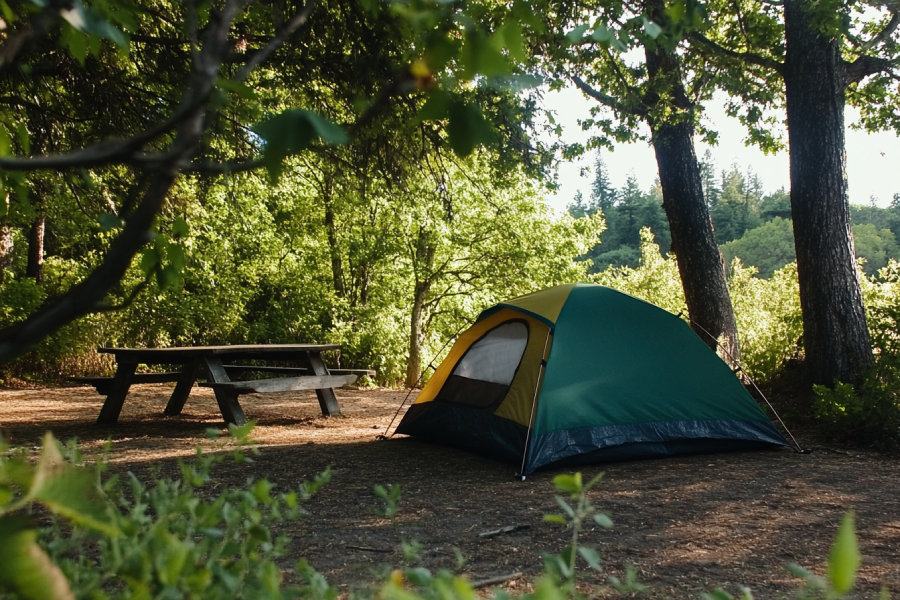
x,y
213,362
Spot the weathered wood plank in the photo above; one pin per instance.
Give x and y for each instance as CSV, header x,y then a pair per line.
x,y
186,380
226,398
283,384
104,384
295,370
112,406
327,400
184,353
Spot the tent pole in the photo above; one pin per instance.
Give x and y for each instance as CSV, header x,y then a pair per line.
x,y
537,385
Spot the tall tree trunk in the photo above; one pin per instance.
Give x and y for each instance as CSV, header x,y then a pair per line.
x,y
700,263
6,242
334,248
35,266
423,263
835,334
416,333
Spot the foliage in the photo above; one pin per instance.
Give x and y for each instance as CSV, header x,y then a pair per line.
x,y
870,413
562,566
178,540
170,539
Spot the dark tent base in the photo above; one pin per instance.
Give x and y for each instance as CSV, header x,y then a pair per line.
x,y
467,428
500,438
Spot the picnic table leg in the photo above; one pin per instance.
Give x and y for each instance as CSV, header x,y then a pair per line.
x,y
327,400
227,399
183,388
118,389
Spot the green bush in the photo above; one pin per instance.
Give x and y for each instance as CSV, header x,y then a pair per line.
x,y
870,413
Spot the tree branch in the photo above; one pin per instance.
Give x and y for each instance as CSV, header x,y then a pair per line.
x,y
864,66
747,57
605,99
882,35
87,296
263,53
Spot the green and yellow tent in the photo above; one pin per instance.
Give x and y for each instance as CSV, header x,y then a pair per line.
x,y
583,373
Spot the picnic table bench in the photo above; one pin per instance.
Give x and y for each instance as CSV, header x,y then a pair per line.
x,y
210,360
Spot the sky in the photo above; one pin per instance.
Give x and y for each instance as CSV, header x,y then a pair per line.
x,y
873,160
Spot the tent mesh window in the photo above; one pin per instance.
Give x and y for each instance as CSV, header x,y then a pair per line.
x,y
483,375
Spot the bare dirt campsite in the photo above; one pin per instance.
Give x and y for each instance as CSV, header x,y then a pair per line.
x,y
688,524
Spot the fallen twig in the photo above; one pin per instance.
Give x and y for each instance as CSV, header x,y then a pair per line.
x,y
368,549
502,530
497,579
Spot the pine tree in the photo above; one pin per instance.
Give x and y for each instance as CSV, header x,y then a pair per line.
x,y
603,195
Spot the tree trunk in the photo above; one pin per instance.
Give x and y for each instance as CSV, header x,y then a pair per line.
x,y
6,243
423,263
835,334
416,334
35,266
334,249
693,240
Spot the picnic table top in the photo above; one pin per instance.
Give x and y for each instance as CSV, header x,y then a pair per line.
x,y
244,350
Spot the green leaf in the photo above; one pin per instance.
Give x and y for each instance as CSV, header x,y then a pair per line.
x,y
844,559
238,88
149,261
591,557
168,277
556,519
180,228
8,15
92,21
571,484
467,128
570,512
577,34
513,40
603,521
651,28
293,131
25,570
175,254
436,107
70,491
5,142
108,222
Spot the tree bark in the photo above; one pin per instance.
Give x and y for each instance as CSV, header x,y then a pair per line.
x,y
35,266
334,249
700,263
416,334
423,263
835,334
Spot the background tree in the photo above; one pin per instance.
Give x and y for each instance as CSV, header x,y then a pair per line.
x,y
819,51
657,93
190,95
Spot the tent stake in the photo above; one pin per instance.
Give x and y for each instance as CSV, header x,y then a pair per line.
x,y
537,384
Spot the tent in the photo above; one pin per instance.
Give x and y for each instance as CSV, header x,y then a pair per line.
x,y
582,373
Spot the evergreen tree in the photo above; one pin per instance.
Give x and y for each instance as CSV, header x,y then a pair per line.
x,y
603,195
708,176
577,207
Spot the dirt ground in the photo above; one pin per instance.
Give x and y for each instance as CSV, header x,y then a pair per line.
x,y
688,524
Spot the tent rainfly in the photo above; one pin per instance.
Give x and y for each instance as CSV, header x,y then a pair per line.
x,y
582,373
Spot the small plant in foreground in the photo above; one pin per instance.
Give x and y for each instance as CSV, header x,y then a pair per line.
x,y
391,497
562,565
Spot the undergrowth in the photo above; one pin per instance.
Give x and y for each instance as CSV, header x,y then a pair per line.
x,y
178,539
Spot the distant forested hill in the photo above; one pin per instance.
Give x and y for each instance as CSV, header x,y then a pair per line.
x,y
749,224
